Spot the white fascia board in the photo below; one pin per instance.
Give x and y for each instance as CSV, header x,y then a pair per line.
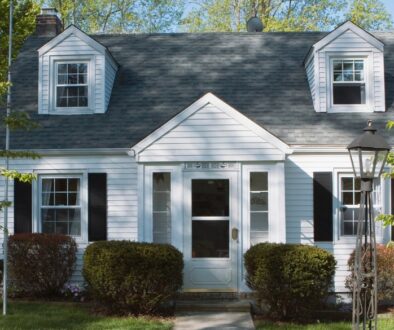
x,y
355,29
209,98
66,33
317,149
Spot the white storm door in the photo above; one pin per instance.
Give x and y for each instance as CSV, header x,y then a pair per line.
x,y
210,231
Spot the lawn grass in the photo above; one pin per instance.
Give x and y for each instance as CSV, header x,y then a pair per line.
x,y
383,324
63,315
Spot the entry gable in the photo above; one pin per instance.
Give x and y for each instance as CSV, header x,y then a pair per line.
x,y
210,130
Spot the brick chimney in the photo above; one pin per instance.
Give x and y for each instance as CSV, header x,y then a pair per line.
x,y
48,23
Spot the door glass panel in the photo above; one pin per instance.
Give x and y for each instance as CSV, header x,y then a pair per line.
x,y
258,194
161,207
210,238
210,198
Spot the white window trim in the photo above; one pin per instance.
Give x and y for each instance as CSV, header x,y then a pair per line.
x,y
54,60
146,191
82,175
381,233
368,79
276,202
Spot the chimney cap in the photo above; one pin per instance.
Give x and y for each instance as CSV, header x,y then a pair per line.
x,y
50,11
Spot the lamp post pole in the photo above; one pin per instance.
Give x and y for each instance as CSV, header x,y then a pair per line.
x,y
368,154
365,273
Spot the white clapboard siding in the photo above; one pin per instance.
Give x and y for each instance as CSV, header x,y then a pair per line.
x,y
102,73
122,192
299,206
349,43
110,73
210,134
310,73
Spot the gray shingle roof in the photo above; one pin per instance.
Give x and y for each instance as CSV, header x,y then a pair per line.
x,y
259,74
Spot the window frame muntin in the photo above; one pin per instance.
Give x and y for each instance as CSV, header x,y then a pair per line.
x,y
368,75
47,173
90,109
72,85
41,206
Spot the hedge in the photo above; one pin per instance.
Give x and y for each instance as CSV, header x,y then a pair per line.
x,y
40,264
291,279
132,277
385,270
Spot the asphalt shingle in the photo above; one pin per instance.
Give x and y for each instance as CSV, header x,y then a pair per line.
x,y
259,74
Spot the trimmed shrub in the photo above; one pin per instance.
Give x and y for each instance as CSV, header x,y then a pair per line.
x,y
40,264
132,277
289,278
385,264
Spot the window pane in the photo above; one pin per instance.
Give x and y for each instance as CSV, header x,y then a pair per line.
x,y
348,228
258,181
48,215
73,184
75,228
62,68
210,197
349,94
348,75
61,228
61,199
48,227
72,68
62,79
82,79
83,102
48,198
259,221
348,65
210,239
347,198
61,185
161,207
82,68
347,184
359,65
74,215
72,79
73,199
48,185
337,65
259,201
338,76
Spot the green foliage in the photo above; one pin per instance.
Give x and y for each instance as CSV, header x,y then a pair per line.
x,y
285,15
291,279
385,264
370,14
120,16
40,264
132,277
20,121
25,12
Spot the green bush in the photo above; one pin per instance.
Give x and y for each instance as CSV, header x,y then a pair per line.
x,y
289,278
385,269
132,277
40,264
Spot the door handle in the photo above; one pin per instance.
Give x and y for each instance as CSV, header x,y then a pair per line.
x,y
234,233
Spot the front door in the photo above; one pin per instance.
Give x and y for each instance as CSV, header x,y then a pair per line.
x,y
210,231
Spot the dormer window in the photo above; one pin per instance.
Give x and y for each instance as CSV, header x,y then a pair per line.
x,y
72,85
348,82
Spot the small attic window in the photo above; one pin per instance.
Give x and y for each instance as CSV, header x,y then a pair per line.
x,y
348,82
71,85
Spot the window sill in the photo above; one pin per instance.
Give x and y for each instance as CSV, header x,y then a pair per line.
x,y
349,109
72,111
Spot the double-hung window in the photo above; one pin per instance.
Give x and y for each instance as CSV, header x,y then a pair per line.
x,y
258,191
349,196
60,205
348,82
72,88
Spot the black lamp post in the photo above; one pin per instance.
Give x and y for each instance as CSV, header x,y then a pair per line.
x,y
368,154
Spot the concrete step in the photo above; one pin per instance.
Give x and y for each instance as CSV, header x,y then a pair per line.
x,y
213,306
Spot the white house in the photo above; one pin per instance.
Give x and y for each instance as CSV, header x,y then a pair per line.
x,y
210,142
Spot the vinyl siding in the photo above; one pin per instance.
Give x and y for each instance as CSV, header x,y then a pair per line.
x,y
102,74
121,192
207,135
299,206
348,43
310,73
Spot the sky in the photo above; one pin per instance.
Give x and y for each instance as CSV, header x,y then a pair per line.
x,y
390,6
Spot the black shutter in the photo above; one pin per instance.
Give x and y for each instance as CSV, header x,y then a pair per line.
x,y
22,207
97,209
322,206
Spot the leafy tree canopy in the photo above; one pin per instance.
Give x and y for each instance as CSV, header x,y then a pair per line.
x,y
285,15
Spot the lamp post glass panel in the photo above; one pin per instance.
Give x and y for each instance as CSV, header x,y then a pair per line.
x,y
368,154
